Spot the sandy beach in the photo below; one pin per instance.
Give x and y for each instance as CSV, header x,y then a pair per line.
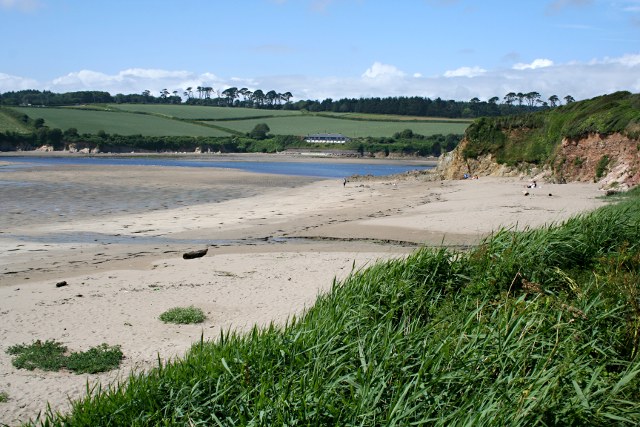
x,y
273,243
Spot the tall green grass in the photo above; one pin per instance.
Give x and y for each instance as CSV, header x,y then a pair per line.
x,y
538,327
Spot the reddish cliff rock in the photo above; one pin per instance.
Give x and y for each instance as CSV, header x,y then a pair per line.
x,y
611,160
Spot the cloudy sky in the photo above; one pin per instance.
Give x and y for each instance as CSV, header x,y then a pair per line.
x,y
317,49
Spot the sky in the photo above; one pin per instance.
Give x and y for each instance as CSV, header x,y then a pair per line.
x,y
318,49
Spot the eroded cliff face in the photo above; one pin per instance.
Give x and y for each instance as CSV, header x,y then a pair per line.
x,y
453,165
611,160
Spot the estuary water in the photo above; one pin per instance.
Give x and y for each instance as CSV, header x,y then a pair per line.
x,y
325,168
40,189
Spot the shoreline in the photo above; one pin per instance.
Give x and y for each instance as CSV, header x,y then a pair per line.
x,y
269,255
285,156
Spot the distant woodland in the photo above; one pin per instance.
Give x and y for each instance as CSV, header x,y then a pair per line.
x,y
511,103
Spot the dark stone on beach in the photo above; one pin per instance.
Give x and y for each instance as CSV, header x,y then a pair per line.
x,y
61,284
550,194
195,254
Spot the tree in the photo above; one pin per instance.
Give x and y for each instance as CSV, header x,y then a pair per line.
x,y
258,96
259,131
509,98
569,99
494,100
246,93
554,100
286,96
532,98
231,94
272,96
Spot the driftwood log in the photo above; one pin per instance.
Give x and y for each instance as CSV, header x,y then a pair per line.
x,y
195,254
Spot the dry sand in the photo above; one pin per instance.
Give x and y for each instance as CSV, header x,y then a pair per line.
x,y
269,254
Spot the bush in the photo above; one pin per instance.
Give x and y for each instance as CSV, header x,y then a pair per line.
x,y
97,359
48,355
183,315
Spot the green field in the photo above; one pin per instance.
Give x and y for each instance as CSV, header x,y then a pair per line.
x,y
307,124
8,123
188,120
92,121
198,112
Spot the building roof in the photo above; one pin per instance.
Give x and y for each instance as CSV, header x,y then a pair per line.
x,y
326,135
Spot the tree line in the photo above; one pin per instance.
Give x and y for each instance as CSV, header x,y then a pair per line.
x,y
511,103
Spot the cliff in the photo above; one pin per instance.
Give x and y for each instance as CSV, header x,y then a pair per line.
x,y
594,140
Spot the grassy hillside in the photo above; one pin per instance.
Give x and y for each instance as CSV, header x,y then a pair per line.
x,y
8,122
534,138
540,327
307,124
115,122
188,120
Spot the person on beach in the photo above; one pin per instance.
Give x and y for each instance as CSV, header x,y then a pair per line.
x,y
532,185
344,183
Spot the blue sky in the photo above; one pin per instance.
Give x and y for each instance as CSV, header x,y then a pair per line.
x,y
317,49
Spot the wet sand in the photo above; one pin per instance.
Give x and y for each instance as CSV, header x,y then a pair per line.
x,y
274,242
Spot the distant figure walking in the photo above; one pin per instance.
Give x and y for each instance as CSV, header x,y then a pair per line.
x,y
532,185
344,183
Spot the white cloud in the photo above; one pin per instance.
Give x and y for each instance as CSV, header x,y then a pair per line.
x,y
465,72
537,63
629,60
10,83
597,77
384,71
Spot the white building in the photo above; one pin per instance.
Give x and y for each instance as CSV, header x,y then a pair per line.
x,y
327,138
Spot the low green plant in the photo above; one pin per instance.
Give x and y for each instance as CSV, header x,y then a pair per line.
x,y
97,359
4,396
51,356
183,315
601,167
48,355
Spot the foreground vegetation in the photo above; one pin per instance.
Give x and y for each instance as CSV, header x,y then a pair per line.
x,y
183,315
53,356
532,327
535,137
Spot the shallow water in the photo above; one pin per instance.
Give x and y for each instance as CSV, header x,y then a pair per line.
x,y
319,169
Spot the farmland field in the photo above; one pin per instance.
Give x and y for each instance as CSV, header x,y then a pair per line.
x,y
396,117
8,123
92,121
307,124
188,120
192,112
